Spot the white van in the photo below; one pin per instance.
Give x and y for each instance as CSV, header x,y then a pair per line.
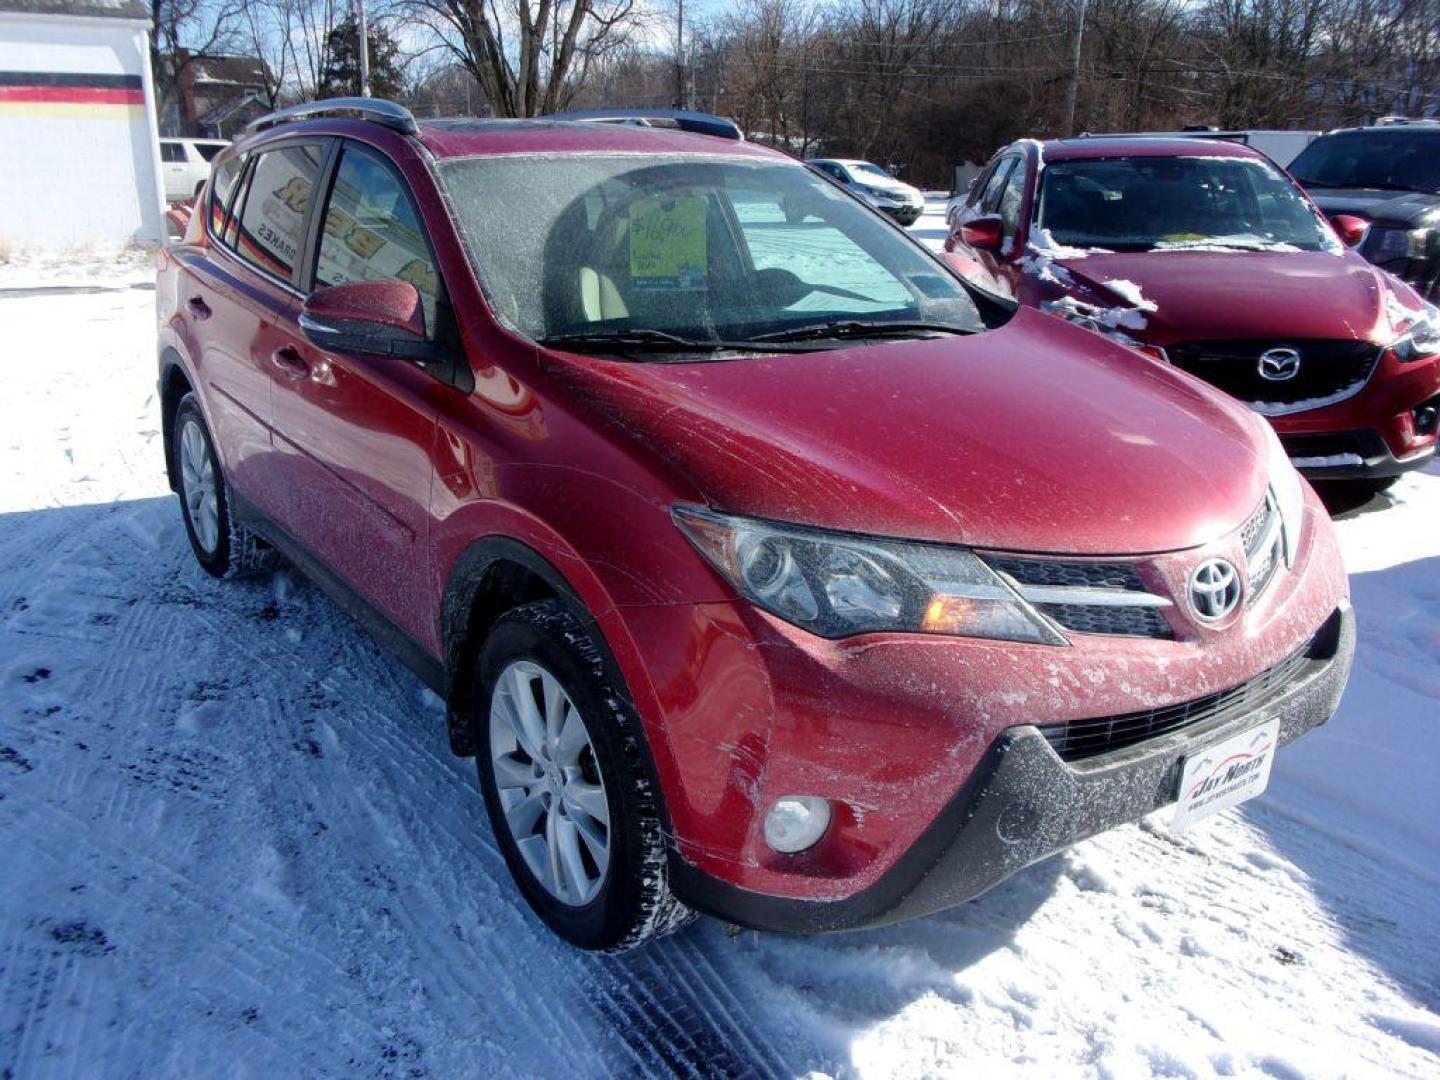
x,y
185,165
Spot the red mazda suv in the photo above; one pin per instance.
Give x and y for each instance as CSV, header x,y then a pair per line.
x,y
1206,254
766,568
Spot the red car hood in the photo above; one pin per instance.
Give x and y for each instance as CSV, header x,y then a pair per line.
x,y
1209,295
1038,436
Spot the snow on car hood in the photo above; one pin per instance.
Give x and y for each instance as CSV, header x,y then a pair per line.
x,y
884,183
1202,295
1038,436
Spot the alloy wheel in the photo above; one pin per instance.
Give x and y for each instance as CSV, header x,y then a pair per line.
x,y
549,783
197,484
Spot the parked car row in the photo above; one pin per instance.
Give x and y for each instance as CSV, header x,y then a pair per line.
x,y
1208,256
767,566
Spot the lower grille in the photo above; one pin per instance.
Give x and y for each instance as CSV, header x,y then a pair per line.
x,y
1328,371
1366,445
1081,739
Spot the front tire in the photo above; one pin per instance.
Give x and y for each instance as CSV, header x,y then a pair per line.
x,y
572,804
222,548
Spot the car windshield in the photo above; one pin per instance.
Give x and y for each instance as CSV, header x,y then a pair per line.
x,y
1388,160
700,249
1149,203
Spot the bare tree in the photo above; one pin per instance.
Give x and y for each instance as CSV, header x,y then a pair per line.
x,y
180,30
529,56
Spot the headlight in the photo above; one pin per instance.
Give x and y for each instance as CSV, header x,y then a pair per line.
x,y
836,585
880,195
1385,244
1286,485
1101,320
1422,337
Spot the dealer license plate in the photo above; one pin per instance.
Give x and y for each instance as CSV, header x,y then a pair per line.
x,y
1226,774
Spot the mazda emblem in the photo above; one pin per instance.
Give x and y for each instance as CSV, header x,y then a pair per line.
x,y
1280,365
1214,590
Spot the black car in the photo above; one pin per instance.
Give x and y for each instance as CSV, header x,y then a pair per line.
x,y
1390,175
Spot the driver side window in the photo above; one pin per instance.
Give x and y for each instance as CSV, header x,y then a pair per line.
x,y
371,231
989,200
1010,200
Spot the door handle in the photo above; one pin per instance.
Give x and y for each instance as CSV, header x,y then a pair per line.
x,y
198,307
291,364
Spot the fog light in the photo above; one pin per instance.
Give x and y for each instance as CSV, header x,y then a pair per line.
x,y
1427,418
796,822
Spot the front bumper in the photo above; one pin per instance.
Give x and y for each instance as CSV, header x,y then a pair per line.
x,y
1379,425
905,215
1022,803
1351,455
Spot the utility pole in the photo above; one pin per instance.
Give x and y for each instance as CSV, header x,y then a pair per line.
x,y
1075,68
679,54
364,32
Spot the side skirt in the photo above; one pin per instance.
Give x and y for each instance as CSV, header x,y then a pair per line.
x,y
375,622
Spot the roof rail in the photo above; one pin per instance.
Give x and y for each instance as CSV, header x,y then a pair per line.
x,y
1393,120
697,122
376,110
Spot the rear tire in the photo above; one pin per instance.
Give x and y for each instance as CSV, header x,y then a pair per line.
x,y
612,891
222,548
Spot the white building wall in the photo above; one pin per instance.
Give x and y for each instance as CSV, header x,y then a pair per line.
x,y
76,174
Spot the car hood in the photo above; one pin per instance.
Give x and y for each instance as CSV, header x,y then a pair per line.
x,y
888,183
1037,436
1408,208
1205,295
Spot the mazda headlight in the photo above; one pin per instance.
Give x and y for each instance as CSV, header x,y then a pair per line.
x,y
1289,492
836,585
1102,321
1422,337
882,195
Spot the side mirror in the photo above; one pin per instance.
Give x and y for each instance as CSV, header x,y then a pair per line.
x,y
372,318
1352,229
983,233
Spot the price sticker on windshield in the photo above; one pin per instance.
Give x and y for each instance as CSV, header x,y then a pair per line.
x,y
667,243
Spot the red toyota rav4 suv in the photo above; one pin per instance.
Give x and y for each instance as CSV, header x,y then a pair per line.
x,y
766,568
1206,254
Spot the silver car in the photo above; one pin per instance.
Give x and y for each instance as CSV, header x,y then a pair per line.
x,y
900,200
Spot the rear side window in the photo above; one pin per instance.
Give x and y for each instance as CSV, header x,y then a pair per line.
x,y
272,219
171,152
222,186
371,231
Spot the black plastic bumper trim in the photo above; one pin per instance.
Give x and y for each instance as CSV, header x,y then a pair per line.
x,y
1376,460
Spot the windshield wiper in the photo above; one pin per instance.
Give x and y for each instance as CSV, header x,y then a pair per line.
x,y
641,340
861,328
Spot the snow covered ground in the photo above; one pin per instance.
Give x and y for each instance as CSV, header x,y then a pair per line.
x,y
235,844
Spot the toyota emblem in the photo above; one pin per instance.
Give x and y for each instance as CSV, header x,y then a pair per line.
x,y
1214,590
1280,365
